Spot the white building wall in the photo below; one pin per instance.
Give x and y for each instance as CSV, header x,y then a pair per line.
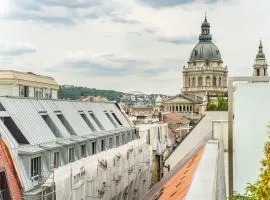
x,y
8,90
54,94
31,92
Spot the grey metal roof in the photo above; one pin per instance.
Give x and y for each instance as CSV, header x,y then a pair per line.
x,y
29,150
29,116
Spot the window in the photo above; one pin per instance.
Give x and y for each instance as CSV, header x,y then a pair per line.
x,y
123,139
38,93
51,125
214,81
219,81
94,147
128,136
56,159
14,130
23,91
66,124
110,118
117,140
193,81
258,72
116,118
135,132
35,169
71,155
47,93
110,143
200,81
87,121
4,190
103,145
148,138
2,108
208,80
83,151
96,120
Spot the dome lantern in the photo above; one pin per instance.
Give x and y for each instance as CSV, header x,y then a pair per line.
x,y
205,49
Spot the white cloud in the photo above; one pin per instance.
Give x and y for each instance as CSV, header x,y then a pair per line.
x,y
139,46
15,49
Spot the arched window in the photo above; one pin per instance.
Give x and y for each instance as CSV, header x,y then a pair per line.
x,y
193,81
200,81
214,81
177,108
180,109
190,108
219,81
207,81
187,108
173,108
184,108
170,108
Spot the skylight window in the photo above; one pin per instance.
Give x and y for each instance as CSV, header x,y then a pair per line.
x,y
111,119
96,120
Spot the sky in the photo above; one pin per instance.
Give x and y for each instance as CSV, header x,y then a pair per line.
x,y
127,45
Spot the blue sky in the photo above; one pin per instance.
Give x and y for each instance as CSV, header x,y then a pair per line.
x,y
127,45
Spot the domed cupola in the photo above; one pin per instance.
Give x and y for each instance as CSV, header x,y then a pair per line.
x,y
205,49
260,53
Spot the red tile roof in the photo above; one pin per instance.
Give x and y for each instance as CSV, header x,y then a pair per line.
x,y
6,163
175,118
176,186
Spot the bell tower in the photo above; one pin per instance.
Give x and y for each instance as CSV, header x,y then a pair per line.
x,y
260,65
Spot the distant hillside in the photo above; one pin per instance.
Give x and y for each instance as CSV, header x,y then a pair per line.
x,y
73,92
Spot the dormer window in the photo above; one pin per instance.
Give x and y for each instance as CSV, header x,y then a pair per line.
x,y
195,52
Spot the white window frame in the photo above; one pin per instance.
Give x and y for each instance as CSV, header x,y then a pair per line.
x,y
83,156
58,162
68,156
35,177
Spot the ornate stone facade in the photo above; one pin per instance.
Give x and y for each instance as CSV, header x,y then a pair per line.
x,y
205,72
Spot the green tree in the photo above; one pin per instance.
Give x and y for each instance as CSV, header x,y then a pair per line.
x,y
261,189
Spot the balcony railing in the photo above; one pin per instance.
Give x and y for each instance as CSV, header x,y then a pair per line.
x,y
205,69
204,88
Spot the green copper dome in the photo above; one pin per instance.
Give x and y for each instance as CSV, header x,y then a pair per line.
x,y
205,49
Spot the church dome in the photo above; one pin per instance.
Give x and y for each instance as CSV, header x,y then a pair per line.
x,y
205,49
158,100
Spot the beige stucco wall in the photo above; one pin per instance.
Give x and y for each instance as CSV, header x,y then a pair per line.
x,y
8,90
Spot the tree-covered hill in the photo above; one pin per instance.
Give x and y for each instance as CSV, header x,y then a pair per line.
x,y
73,92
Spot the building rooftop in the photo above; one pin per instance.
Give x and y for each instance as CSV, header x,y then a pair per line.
x,y
176,184
26,78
